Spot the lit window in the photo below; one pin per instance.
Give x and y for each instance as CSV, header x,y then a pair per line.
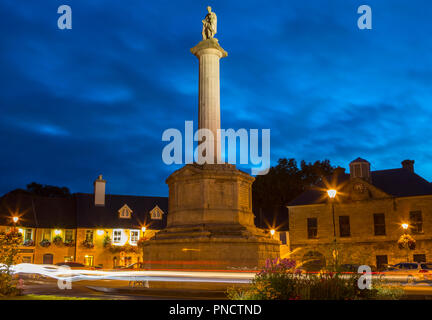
x,y
46,234
156,213
28,235
89,261
68,235
125,212
89,236
134,236
117,236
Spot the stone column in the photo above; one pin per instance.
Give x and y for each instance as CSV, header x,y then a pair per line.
x,y
209,52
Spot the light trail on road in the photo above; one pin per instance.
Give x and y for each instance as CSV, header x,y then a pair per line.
x,y
67,274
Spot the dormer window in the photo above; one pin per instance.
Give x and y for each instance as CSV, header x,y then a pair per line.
x,y
125,212
156,213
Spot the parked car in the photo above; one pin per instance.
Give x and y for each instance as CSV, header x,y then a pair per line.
x,y
134,266
408,271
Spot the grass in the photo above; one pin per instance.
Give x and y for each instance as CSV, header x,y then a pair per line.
x,y
45,297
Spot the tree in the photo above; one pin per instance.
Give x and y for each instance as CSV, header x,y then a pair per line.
x,y
47,190
284,182
9,243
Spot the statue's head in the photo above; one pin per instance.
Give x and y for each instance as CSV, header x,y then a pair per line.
x,y
209,9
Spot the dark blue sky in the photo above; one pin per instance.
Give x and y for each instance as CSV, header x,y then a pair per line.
x,y
96,99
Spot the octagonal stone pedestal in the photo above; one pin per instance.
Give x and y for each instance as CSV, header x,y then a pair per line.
x,y
210,223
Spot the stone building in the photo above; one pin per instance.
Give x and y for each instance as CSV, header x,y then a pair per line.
x,y
94,229
363,222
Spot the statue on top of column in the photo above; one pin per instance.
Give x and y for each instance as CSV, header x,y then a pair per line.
x,y
209,25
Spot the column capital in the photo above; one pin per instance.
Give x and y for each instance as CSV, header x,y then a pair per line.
x,y
208,44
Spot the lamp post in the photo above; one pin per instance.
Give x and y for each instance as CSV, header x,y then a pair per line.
x,y
332,195
405,227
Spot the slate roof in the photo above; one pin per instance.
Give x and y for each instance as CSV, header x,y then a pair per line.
x,y
91,216
396,182
79,211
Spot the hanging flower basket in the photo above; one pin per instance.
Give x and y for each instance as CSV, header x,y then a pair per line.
x,y
58,241
406,242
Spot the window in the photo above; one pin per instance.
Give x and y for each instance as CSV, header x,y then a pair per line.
x,y
344,226
89,236
156,213
134,236
381,262
26,259
89,261
117,236
69,235
46,234
379,224
125,212
419,258
416,221
357,170
283,237
28,235
312,227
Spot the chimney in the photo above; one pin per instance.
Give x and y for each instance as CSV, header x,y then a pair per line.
x,y
99,191
408,164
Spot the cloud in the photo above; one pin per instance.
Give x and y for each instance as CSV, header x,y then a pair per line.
x,y
96,99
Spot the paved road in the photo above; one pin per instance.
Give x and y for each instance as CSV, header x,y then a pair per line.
x,y
113,290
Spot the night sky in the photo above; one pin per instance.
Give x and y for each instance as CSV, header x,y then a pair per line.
x,y
96,99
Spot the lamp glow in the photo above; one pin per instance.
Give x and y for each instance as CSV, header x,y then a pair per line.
x,y
15,219
405,226
100,232
272,232
332,193
21,231
143,229
57,232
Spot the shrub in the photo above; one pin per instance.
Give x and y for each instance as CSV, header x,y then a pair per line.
x,y
9,243
281,280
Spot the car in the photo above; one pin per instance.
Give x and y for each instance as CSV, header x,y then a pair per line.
x,y
76,265
135,266
408,271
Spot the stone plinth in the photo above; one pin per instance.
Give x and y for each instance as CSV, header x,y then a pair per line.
x,y
210,222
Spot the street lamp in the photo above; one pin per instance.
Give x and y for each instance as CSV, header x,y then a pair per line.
x,y
332,195
272,232
405,226
15,219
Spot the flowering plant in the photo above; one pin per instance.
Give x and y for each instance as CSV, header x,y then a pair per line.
x,y
69,243
87,244
406,242
28,243
58,240
45,243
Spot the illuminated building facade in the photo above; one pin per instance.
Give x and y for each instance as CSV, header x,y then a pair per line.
x,y
96,229
365,219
